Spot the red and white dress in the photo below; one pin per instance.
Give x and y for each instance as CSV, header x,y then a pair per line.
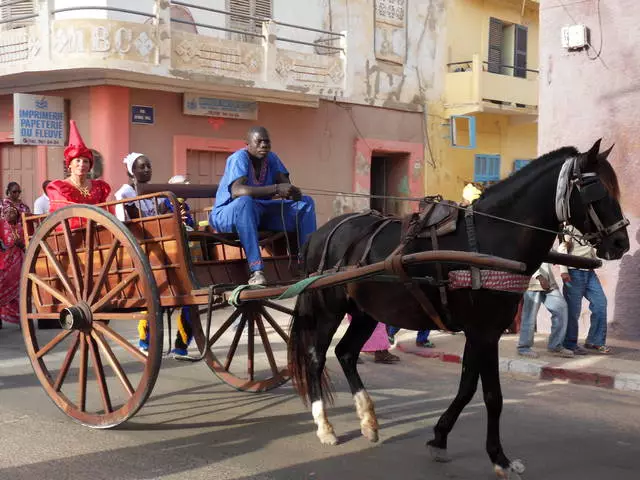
x,y
11,258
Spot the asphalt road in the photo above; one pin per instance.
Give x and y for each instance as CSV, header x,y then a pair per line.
x,y
195,427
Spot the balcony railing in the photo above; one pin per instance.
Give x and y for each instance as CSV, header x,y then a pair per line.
x,y
157,37
471,87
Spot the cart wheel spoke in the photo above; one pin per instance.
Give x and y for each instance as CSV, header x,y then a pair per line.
x,y
267,345
88,265
275,325
52,344
234,344
120,340
115,291
73,258
113,361
99,371
62,374
52,291
106,266
82,378
225,326
66,282
251,344
278,307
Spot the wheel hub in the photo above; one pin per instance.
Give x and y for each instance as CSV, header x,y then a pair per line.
x,y
77,317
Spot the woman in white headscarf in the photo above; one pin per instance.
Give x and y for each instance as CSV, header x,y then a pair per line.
x,y
139,171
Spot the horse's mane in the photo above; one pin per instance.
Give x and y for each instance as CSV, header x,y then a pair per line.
x,y
505,191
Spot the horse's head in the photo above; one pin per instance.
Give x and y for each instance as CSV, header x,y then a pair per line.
x,y
588,197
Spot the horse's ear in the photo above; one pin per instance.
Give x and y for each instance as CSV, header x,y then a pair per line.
x,y
592,154
605,154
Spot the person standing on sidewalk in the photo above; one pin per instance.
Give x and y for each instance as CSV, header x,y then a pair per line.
x,y
543,289
422,338
580,283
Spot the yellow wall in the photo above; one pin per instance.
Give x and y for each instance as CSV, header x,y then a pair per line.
x,y
449,169
468,27
495,135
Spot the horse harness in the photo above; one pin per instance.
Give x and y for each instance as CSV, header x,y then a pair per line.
x,y
436,217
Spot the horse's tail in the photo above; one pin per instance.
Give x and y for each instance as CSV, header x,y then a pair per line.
x,y
303,334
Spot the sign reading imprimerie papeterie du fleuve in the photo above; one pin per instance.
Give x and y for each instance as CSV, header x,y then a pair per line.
x,y
38,120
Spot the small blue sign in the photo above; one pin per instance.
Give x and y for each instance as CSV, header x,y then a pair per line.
x,y
142,114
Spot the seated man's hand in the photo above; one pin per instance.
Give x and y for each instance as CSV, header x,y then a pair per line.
x,y
286,190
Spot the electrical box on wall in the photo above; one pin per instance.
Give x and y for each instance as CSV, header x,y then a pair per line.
x,y
575,37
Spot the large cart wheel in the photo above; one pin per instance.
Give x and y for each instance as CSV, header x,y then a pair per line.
x,y
75,277
232,354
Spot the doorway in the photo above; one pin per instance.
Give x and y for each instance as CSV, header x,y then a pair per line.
x,y
204,167
389,179
18,164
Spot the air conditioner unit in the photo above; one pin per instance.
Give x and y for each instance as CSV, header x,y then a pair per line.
x,y
575,37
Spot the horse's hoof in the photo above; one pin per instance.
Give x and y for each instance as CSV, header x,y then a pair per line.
x,y
370,434
328,438
512,472
439,454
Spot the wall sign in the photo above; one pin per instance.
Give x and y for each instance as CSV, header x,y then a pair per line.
x,y
141,114
194,104
38,120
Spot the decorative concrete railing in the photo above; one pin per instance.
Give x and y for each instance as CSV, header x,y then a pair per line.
x,y
153,42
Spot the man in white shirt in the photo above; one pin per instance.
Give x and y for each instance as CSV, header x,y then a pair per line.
x,y
580,283
543,289
41,205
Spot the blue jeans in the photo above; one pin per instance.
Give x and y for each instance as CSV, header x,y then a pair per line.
x,y
423,335
247,215
585,283
557,306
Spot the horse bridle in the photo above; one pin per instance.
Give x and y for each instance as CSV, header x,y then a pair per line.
x,y
590,189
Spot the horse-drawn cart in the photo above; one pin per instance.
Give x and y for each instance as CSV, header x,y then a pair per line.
x,y
100,280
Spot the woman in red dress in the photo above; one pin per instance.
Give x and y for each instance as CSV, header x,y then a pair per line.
x,y
11,257
77,187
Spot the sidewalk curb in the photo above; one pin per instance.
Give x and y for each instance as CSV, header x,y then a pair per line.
x,y
628,382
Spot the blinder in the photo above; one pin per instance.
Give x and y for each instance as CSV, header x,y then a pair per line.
x,y
591,190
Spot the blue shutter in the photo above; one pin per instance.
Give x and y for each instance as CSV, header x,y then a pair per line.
x,y
486,168
518,164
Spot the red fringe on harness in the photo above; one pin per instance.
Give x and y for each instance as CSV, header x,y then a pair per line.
x,y
491,279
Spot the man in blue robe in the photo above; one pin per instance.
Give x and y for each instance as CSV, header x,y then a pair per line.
x,y
254,194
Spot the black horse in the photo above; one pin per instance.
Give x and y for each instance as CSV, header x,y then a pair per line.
x,y
563,186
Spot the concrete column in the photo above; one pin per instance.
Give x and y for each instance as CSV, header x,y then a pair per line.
x,y
110,129
270,51
162,10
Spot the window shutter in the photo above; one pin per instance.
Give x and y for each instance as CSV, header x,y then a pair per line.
x,y
486,168
496,38
21,9
520,52
518,164
256,8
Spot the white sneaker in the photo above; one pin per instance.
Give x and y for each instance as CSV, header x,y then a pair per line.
x,y
257,278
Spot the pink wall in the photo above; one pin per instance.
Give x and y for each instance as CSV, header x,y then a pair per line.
x,y
583,99
318,146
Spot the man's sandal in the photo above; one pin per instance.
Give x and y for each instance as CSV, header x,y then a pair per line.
x,y
603,349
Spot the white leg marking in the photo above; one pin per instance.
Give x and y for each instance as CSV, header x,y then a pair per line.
x,y
367,415
512,472
325,429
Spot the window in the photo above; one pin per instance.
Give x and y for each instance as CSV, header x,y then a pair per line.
x,y
507,48
518,164
486,168
255,8
17,10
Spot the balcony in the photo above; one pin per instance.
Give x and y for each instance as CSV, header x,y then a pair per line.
x,y
470,88
157,47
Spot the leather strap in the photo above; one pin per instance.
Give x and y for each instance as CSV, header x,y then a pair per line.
x,y
365,255
476,279
325,250
393,264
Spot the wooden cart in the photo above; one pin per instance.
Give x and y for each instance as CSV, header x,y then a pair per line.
x,y
99,281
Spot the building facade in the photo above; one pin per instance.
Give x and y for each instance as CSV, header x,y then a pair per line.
x,y
342,87
588,89
484,124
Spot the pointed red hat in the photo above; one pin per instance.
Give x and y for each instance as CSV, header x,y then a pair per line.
x,y
76,147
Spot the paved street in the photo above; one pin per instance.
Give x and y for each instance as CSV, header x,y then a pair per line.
x,y
195,427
